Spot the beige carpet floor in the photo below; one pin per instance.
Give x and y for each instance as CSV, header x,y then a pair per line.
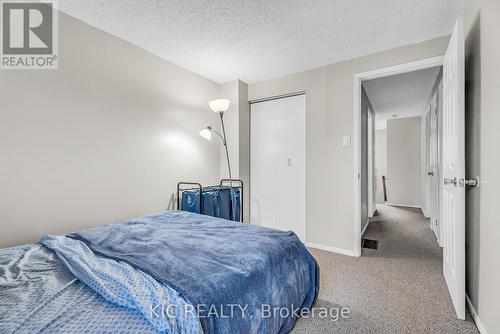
x,y
398,288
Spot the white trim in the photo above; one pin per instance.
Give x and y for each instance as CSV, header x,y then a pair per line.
x,y
357,165
405,205
331,249
364,228
358,79
479,324
402,68
424,213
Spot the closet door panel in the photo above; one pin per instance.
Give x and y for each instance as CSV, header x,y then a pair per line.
x,y
263,165
290,165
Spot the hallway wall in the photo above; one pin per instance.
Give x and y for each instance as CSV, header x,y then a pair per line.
x,y
404,156
380,163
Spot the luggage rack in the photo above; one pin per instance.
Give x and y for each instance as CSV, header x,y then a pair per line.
x,y
224,183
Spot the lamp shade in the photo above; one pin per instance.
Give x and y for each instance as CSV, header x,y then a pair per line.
x,y
219,105
206,133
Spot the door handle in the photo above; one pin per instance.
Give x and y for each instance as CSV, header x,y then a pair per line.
x,y
430,173
450,181
474,182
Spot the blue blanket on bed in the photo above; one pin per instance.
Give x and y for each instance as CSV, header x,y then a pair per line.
x,y
240,277
38,294
123,285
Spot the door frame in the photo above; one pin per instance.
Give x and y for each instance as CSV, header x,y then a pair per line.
x,y
371,163
358,80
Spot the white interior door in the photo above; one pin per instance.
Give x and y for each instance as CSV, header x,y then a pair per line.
x,y
440,165
454,168
426,130
433,171
277,164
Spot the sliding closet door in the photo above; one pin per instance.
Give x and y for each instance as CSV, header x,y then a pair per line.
x,y
277,180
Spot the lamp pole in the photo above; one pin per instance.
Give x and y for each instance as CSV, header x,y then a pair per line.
x,y
220,106
225,146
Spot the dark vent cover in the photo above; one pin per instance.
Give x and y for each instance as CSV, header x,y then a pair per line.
x,y
370,244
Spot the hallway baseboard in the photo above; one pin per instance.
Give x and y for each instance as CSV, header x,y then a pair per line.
x,y
404,205
342,251
364,229
479,323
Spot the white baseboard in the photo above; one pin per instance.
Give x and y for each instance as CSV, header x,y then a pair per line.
x,y
331,249
364,229
404,205
478,322
372,214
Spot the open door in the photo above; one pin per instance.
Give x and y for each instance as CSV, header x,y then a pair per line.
x,y
453,156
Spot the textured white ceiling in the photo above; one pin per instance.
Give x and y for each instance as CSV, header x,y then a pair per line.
x,y
403,95
256,40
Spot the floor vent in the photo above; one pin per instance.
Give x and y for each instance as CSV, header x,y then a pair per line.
x,y
370,244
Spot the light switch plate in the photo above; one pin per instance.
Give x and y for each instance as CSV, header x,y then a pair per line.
x,y
346,141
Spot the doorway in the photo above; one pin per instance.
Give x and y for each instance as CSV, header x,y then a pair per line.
x,y
360,135
452,192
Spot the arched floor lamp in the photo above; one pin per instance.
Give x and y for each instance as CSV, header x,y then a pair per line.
x,y
219,106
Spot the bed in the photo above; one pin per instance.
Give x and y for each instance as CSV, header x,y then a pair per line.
x,y
170,272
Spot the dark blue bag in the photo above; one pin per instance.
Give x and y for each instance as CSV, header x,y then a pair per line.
x,y
217,202
191,201
235,204
220,202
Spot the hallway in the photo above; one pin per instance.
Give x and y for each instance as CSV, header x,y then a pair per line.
x,y
398,288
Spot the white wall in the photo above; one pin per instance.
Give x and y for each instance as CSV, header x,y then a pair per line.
x,y
482,23
244,144
229,90
105,137
329,117
380,163
404,167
